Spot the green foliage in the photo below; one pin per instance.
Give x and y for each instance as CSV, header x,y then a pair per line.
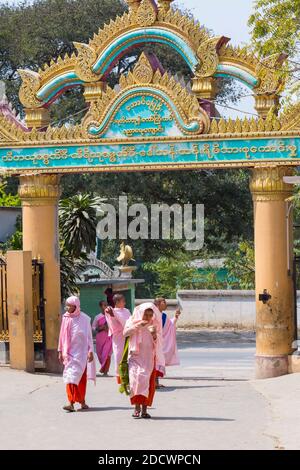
x,y
78,220
31,34
241,266
7,199
210,281
172,274
275,26
70,266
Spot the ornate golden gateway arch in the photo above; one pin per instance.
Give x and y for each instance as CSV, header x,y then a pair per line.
x,y
151,121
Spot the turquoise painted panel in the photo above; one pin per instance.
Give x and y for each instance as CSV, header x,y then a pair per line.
x,y
59,83
139,37
241,75
149,153
143,113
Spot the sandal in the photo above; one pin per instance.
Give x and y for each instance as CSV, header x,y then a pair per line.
x,y
136,414
146,416
84,407
69,408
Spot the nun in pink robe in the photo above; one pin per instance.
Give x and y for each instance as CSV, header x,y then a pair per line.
x,y
76,352
103,343
144,356
169,341
116,325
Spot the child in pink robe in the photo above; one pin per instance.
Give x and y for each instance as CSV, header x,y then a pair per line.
x,y
169,338
103,341
116,318
144,329
75,351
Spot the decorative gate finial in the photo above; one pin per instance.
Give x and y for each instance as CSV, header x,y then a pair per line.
x,y
133,5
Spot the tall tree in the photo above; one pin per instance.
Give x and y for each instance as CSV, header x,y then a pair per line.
x,y
276,28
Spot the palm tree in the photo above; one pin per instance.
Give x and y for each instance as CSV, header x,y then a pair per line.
x,y
78,221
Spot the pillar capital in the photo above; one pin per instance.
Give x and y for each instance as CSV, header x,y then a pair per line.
x,y
93,91
264,103
37,117
39,190
266,183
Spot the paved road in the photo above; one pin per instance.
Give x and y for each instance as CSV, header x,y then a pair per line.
x,y
208,403
215,354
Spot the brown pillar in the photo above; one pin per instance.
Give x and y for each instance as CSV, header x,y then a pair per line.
x,y
19,306
273,270
39,195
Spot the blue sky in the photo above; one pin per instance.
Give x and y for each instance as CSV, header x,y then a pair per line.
x,y
225,17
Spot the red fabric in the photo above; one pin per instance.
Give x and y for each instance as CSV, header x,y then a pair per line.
x,y
76,393
159,374
146,401
118,380
106,366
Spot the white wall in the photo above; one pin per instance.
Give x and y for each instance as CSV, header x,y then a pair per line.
x,y
217,308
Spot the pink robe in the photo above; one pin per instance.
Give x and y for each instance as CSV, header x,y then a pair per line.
x,y
169,343
81,343
144,352
103,341
116,326
141,364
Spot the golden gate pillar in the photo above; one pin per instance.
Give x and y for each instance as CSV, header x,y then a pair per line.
x,y
275,320
40,195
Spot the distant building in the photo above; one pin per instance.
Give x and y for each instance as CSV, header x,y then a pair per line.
x,y
97,277
8,218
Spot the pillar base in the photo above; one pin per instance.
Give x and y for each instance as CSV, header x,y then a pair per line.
x,y
52,363
267,367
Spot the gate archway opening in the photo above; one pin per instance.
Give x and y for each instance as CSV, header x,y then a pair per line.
x,y
152,122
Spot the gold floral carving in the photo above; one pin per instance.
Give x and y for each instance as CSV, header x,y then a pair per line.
x,y
146,13
246,126
267,183
44,188
143,72
63,63
290,118
164,5
271,74
29,88
239,56
8,131
86,58
208,57
133,5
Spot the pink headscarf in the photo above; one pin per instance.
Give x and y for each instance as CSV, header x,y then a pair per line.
x,y
136,339
66,325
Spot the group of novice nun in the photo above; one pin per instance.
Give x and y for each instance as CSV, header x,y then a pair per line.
x,y
145,340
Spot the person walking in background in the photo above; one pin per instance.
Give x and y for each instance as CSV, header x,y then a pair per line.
x,y
144,330
75,352
103,340
109,297
116,318
169,337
